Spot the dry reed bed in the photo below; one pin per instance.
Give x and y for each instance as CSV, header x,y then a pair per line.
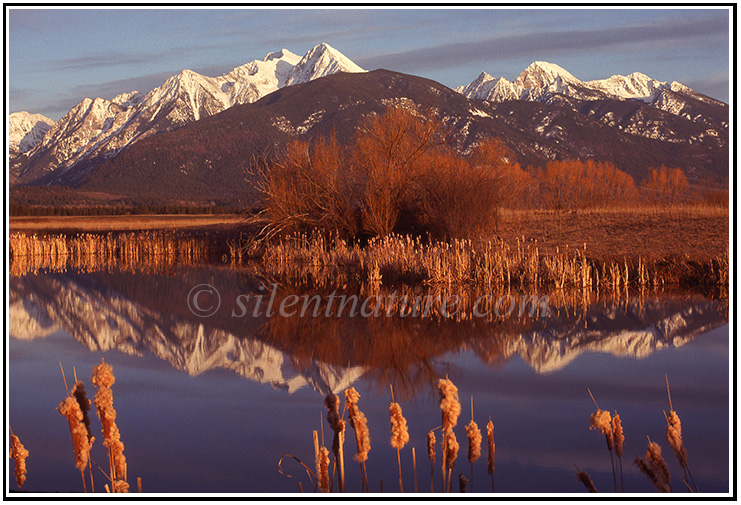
x,y
315,260
654,466
150,250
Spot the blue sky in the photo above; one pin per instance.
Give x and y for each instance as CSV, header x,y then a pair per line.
x,y
56,57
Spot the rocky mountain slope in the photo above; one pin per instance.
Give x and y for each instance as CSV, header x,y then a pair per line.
x,y
185,164
97,129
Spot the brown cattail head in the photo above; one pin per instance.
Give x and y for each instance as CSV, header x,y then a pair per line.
x,y
351,400
103,375
649,472
78,391
323,467
431,445
617,432
399,430
19,455
490,443
120,486
103,378
449,404
674,437
653,455
359,423
462,483
584,478
332,403
474,441
70,409
451,449
601,420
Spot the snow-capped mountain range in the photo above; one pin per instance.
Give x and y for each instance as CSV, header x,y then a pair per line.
x,y
94,130
97,128
541,80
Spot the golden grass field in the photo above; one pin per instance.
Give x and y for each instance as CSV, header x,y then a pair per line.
x,y
697,232
93,224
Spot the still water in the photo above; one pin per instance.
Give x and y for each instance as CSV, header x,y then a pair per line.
x,y
211,404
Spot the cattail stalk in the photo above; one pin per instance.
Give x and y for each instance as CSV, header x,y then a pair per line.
x,y
78,391
70,409
474,442
323,469
491,446
335,421
584,478
451,409
619,438
674,437
362,435
414,465
103,378
431,456
602,420
451,454
653,455
462,482
19,455
399,433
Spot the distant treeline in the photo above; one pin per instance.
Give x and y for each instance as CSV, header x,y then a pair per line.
x,y
45,210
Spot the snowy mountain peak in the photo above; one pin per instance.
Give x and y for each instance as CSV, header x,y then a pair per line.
x,y
320,61
25,130
99,129
280,55
127,100
633,86
541,73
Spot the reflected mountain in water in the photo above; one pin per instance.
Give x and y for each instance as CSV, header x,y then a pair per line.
x,y
140,313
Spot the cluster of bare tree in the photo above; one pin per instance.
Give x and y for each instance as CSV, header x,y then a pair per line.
x,y
400,175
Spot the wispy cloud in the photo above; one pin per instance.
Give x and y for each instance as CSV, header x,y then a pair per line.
x,y
535,44
109,59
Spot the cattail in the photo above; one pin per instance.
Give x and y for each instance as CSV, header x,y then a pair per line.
x,y
451,449
584,478
653,455
490,442
324,469
431,446
362,435
120,486
359,423
652,476
70,409
617,433
462,482
674,437
449,404
78,391
103,378
601,420
617,430
19,455
399,430
474,441
332,403
431,456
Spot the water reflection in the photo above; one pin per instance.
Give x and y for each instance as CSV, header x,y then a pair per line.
x,y
138,313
